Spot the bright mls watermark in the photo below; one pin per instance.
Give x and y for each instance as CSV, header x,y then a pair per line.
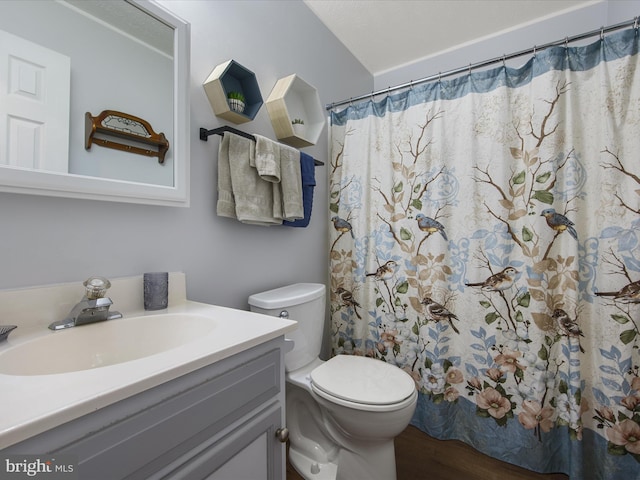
x,y
58,467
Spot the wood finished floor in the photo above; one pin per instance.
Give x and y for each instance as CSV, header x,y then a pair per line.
x,y
447,460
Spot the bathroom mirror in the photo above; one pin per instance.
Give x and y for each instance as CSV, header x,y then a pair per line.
x,y
130,56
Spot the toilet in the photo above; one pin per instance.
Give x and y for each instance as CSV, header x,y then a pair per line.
x,y
344,413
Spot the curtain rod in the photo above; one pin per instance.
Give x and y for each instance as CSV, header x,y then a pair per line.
x,y
601,31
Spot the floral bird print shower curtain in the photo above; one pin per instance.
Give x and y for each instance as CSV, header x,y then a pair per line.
x,y
484,237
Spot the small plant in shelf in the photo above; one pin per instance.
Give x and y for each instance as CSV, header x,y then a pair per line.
x,y
298,127
236,101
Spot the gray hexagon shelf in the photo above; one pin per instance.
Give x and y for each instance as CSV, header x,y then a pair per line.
x,y
293,98
232,77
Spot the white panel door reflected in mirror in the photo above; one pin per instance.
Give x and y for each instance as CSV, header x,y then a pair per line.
x,y
34,106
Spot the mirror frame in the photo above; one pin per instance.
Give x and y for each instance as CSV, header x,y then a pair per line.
x,y
15,180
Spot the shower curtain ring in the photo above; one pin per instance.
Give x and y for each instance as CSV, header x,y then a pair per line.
x,y
504,60
635,24
566,42
439,77
602,33
534,51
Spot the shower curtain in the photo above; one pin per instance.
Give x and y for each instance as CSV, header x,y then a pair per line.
x,y
485,238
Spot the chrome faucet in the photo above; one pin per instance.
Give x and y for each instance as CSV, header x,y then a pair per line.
x,y
93,307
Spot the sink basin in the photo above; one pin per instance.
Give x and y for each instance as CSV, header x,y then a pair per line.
x,y
104,343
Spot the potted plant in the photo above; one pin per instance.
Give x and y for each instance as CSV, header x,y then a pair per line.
x,y
298,126
236,101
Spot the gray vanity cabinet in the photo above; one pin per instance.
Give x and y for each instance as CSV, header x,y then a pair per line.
x,y
218,422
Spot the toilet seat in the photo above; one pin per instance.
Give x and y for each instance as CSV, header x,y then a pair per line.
x,y
363,383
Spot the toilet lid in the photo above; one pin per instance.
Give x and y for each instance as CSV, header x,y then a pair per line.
x,y
363,380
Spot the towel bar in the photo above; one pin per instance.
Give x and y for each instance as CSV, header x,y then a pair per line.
x,y
204,135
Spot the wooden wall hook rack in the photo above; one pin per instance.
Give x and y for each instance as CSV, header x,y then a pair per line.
x,y
133,130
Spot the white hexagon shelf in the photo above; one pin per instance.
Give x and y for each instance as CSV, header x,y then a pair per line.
x,y
233,77
293,98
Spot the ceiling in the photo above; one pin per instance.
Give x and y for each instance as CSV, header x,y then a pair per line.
x,y
128,19
385,34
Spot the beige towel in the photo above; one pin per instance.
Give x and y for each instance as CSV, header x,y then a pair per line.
x,y
251,196
267,163
258,182
226,206
291,183
267,160
280,164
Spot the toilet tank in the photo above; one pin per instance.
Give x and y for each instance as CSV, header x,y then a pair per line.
x,y
305,303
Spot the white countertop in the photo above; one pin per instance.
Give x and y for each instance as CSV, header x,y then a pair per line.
x,y
32,404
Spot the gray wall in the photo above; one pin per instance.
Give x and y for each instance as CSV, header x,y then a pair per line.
x,y
551,29
51,240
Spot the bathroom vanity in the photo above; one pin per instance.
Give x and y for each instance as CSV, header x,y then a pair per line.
x,y
210,408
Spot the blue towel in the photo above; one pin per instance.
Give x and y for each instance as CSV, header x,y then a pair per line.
x,y
308,172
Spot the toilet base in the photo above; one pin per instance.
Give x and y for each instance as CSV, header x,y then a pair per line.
x,y
311,469
374,462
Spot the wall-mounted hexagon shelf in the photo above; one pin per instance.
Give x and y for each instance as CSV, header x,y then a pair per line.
x,y
293,98
233,77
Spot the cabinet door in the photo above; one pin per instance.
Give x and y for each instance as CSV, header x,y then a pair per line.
x,y
251,452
